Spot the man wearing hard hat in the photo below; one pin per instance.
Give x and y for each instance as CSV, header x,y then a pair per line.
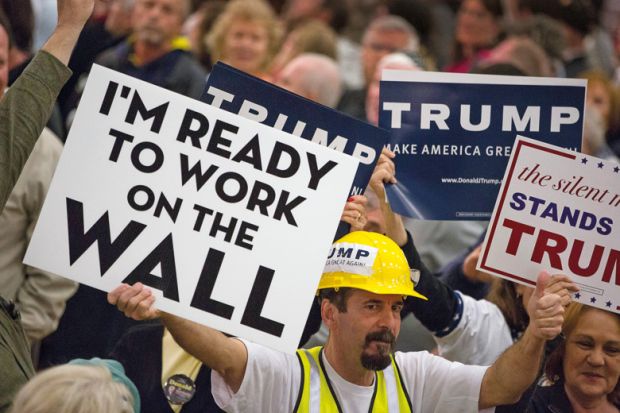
x,y
361,293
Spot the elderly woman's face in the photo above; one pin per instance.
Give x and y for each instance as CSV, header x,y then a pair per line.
x,y
592,358
245,45
599,97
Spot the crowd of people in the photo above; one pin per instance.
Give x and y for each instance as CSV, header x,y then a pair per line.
x,y
467,341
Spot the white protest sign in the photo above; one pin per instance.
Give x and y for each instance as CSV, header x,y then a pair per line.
x,y
558,210
229,221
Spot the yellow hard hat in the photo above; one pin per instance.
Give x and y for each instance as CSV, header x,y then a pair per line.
x,y
369,261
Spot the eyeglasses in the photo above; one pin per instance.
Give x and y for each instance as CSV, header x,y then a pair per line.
x,y
380,48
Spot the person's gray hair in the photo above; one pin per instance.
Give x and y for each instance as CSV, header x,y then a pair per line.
x,y
186,7
321,77
73,389
545,31
398,59
391,23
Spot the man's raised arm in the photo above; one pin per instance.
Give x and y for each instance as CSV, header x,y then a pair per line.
x,y
72,15
517,368
27,105
226,355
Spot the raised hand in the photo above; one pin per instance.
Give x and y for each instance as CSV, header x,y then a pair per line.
x,y
354,212
74,13
561,285
384,172
545,308
72,16
469,267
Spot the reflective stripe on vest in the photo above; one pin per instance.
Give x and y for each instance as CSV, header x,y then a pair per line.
x,y
316,395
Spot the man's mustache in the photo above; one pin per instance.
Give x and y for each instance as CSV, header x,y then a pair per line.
x,y
385,336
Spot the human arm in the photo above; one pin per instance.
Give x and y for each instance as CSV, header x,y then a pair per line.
x,y
385,173
27,105
40,295
226,355
437,313
500,384
72,16
461,274
41,300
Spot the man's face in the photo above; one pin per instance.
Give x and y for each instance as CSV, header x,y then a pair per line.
x,y
377,44
4,60
118,21
157,22
372,94
369,327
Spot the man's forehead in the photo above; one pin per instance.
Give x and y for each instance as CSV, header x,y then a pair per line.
x,y
363,296
176,4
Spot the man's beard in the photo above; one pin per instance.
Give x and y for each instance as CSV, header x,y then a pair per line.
x,y
151,36
381,359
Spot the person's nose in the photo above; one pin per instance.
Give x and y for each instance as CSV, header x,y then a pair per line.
x,y
389,319
246,41
596,357
154,13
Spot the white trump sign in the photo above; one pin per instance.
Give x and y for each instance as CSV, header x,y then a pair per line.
x,y
227,220
558,210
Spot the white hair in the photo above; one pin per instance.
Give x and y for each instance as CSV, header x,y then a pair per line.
x,y
321,77
398,59
391,23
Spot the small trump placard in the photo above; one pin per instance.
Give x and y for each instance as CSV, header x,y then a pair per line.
x,y
558,210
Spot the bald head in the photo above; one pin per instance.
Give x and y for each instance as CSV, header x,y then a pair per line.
x,y
313,76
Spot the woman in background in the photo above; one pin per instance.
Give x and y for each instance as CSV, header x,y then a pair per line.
x,y
478,27
246,36
582,373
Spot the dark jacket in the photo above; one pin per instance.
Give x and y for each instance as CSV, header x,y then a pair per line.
x,y
140,353
550,399
177,70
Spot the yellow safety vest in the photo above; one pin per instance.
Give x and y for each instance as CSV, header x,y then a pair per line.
x,y
316,394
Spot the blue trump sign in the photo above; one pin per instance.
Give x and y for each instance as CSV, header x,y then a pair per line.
x,y
253,98
453,134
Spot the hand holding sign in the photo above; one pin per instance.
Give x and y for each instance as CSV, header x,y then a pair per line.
x,y
384,173
135,301
561,285
354,212
545,310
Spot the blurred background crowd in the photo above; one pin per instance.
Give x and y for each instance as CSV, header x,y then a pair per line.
x,y
329,51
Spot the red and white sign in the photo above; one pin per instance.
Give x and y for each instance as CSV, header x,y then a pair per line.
x,y
558,210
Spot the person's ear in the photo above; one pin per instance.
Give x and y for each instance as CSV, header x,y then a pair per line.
x,y
328,311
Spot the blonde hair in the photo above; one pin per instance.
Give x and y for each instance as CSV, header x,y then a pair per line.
x,y
612,124
255,11
73,389
314,36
